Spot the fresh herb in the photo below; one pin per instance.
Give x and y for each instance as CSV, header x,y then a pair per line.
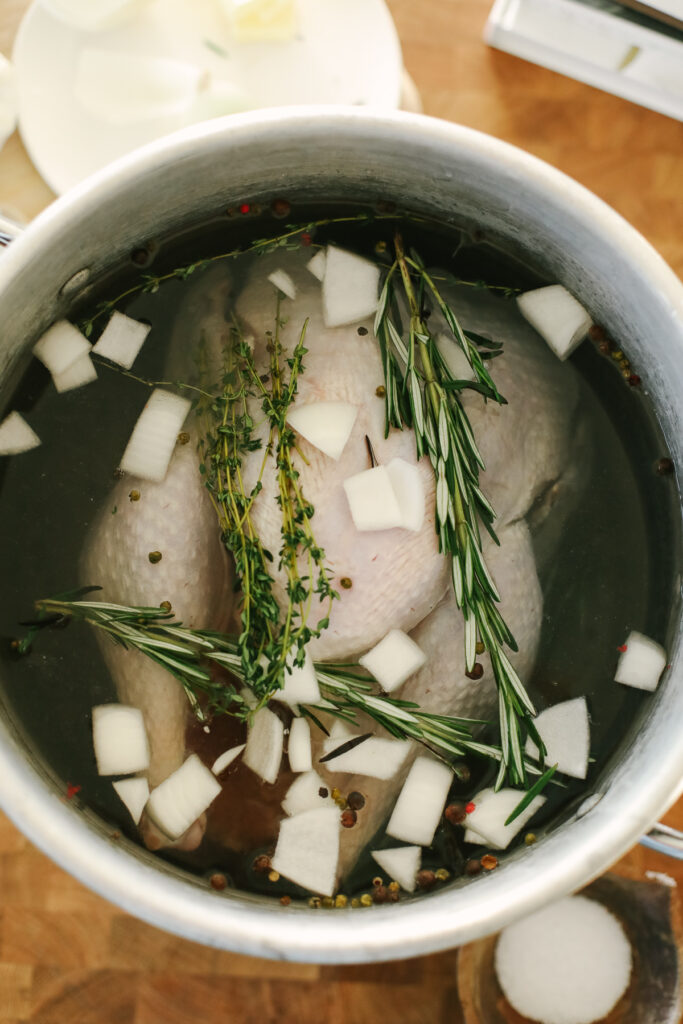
x,y
267,637
530,794
422,393
193,656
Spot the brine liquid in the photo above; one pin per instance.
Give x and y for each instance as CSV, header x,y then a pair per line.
x,y
613,570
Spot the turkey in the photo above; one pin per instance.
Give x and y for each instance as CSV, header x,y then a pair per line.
x,y
399,579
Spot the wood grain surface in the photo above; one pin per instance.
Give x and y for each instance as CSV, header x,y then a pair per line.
x,y
66,955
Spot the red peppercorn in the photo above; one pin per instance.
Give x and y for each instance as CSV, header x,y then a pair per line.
x,y
489,862
380,894
281,207
245,208
285,900
349,818
306,238
218,882
470,807
634,380
262,864
622,648
596,333
71,790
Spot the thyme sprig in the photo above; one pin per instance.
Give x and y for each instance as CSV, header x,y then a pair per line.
x,y
269,640
422,393
190,654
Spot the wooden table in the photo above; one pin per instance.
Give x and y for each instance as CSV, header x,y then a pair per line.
x,y
66,955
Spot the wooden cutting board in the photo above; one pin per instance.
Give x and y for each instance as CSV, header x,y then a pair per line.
x,y
66,956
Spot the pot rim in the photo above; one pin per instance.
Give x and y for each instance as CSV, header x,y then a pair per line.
x,y
442,919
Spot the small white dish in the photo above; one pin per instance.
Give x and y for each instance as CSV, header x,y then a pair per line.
x,y
345,51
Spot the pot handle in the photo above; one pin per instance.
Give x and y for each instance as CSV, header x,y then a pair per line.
x,y
664,839
9,230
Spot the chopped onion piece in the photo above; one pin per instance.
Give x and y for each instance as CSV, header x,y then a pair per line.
x,y
119,739
376,757
491,811
16,436
304,794
124,88
93,15
255,21
420,804
307,850
122,339
134,793
372,501
216,98
569,963
406,481
454,358
60,347
283,283
350,288
340,730
565,731
327,425
299,746
300,683
401,863
151,444
77,375
316,264
393,660
226,759
179,800
263,752
642,663
557,316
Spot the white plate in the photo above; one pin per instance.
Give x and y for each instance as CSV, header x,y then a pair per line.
x,y
346,51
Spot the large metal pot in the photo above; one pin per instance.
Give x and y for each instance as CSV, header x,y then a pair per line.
x,y
447,172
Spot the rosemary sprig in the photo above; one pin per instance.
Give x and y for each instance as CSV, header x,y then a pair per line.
x,y
189,655
422,393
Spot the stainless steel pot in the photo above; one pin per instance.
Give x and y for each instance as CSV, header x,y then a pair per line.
x,y
447,172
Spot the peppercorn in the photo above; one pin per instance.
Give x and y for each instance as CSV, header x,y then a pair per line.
x,y
336,793
664,467
340,900
634,380
617,355
341,803
476,672
393,896
461,771
529,839
166,606
356,800
349,818
489,862
455,813
273,876
362,331
261,864
118,473
183,437
154,557
285,900
479,647
314,902
134,495
323,792
355,902
218,882
346,582
377,881
605,346
281,207
473,866
380,248
380,894
425,879
470,806
366,900
328,902
596,332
